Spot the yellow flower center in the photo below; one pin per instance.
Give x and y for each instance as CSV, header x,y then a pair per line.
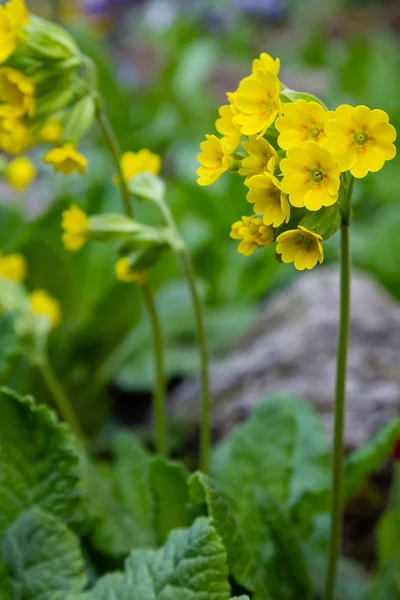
x,y
316,175
269,106
314,132
361,138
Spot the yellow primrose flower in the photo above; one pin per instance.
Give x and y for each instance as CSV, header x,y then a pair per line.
x,y
75,225
15,137
13,266
13,17
253,234
265,62
311,176
302,121
265,192
16,94
261,157
51,132
43,305
257,102
226,126
301,246
144,161
361,139
66,159
123,272
20,172
214,159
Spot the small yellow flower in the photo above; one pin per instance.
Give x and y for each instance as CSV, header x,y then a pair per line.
x,y
13,17
43,305
257,102
214,159
125,273
265,62
226,126
15,137
144,161
261,157
20,172
311,176
75,225
16,94
265,192
302,121
13,266
66,159
51,132
301,246
361,139
253,234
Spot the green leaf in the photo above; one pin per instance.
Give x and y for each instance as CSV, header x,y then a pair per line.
x,y
191,566
42,558
38,461
170,492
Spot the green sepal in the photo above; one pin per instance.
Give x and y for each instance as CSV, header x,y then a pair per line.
x,y
288,95
144,258
147,187
45,40
115,227
325,221
80,119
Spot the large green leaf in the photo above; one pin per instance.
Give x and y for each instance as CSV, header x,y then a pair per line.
x,y
38,461
42,558
191,566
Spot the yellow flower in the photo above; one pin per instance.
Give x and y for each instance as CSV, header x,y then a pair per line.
x,y
51,132
43,305
13,266
20,172
265,62
301,246
257,102
16,94
261,157
66,159
226,126
15,137
144,161
361,139
302,121
311,176
265,192
214,159
13,17
123,272
253,234
75,225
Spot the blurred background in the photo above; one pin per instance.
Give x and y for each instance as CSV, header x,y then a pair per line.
x,y
165,67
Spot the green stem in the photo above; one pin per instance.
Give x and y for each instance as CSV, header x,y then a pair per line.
x,y
340,405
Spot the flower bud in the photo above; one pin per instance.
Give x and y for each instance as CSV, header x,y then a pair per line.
x,y
44,40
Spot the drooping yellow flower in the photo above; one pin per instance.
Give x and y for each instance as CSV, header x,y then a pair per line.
x,y
214,159
265,62
43,305
302,121
75,225
253,234
301,246
311,176
66,159
361,139
144,161
125,273
20,172
51,132
226,126
261,157
257,102
16,94
265,192
13,17
13,266
15,137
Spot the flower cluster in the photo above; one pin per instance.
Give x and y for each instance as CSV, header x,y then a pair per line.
x,y
295,157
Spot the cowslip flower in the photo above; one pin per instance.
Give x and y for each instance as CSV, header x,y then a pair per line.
x,y
265,192
226,126
20,172
214,159
261,157
302,121
144,161
51,132
311,176
257,102
15,137
13,266
13,17
126,274
43,305
75,225
301,246
265,62
253,234
66,159
361,139
16,94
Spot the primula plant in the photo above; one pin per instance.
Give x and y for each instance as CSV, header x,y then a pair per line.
x,y
253,522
